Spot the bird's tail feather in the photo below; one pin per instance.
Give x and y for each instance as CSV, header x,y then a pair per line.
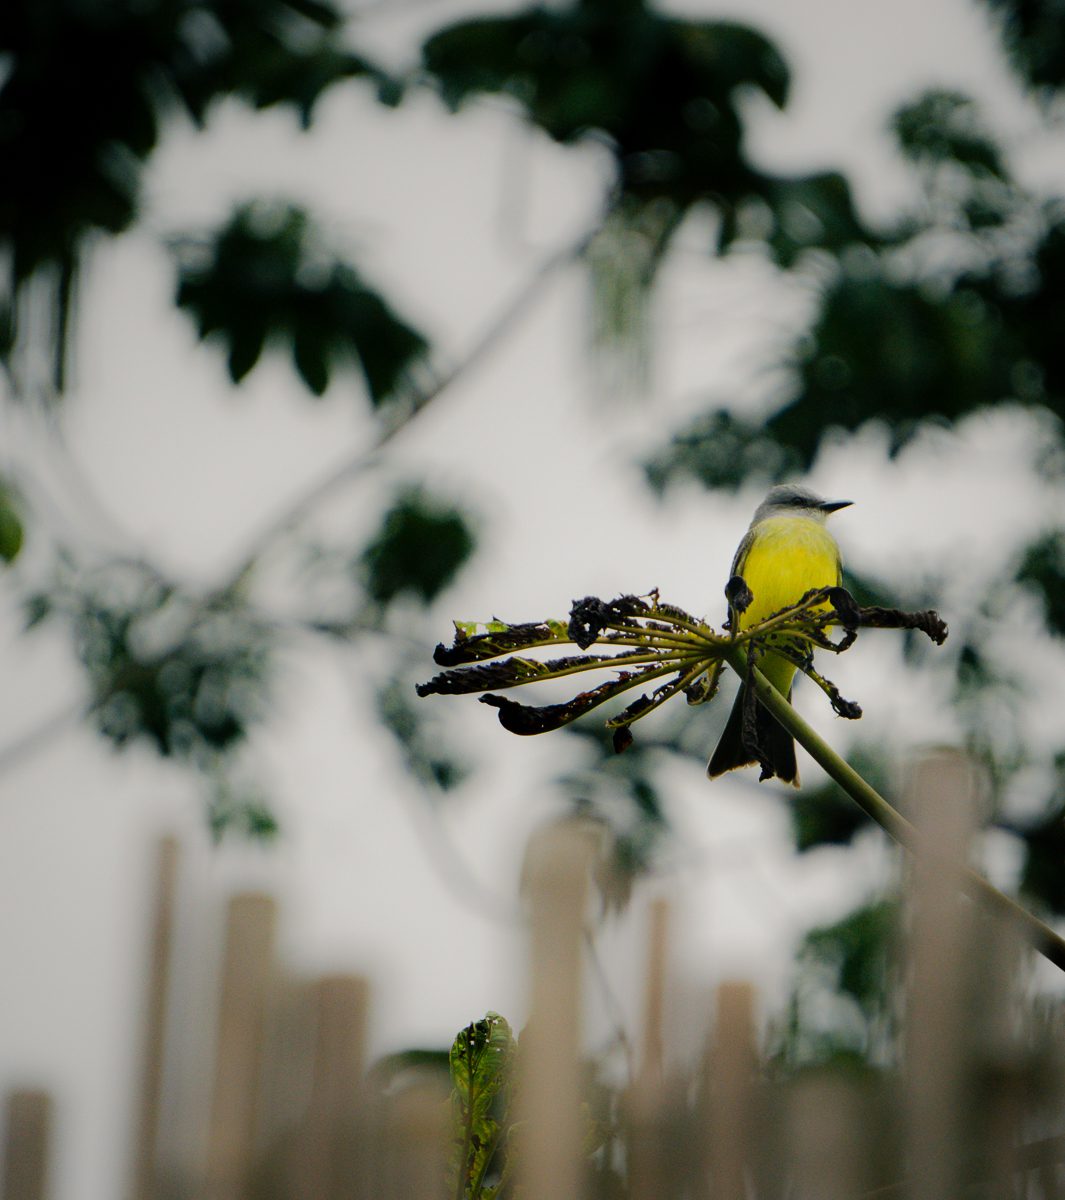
x,y
776,743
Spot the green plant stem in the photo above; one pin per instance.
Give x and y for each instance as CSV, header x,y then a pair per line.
x,y
1042,938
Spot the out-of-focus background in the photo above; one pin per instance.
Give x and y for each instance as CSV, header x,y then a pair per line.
x,y
324,324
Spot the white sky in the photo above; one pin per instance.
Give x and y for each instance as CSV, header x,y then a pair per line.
x,y
422,200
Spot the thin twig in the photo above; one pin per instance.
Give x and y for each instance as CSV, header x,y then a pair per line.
x,y
41,734
297,509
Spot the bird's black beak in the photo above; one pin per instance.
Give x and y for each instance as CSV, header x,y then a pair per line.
x,y
830,506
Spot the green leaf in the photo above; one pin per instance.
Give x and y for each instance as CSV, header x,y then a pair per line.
x,y
420,548
481,1059
11,531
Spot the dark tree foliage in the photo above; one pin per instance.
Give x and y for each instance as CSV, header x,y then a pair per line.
x,y
265,277
662,94
902,344
662,91
87,87
186,674
1033,32
1043,569
1042,878
842,1008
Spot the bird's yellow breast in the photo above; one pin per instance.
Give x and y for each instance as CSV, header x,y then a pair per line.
x,y
787,557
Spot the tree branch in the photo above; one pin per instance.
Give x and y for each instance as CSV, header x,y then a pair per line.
x,y
35,739
418,401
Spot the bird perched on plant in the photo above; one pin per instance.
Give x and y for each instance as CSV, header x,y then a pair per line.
x,y
785,553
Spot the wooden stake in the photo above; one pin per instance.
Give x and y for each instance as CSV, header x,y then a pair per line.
x,y
27,1145
652,1159
557,866
153,1035
730,1090
327,1159
651,1067
247,973
412,1152
940,948
824,1124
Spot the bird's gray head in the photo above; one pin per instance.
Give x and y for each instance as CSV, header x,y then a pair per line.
x,y
791,500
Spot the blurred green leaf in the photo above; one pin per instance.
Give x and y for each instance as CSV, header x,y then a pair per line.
x,y
238,811
417,1061
899,354
619,792
812,211
1043,873
425,756
720,450
943,128
264,277
186,675
1043,569
825,815
1033,32
842,1012
11,529
420,548
1033,315
37,608
856,950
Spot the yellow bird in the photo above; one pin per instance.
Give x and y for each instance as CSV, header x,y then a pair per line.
x,y
786,552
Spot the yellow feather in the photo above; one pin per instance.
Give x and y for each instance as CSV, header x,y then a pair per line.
x,y
787,556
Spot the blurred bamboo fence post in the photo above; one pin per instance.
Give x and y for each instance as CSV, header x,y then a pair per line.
x,y
652,1060
247,974
941,966
411,1153
153,1038
27,1145
729,1090
325,1159
654,1166
826,1150
557,866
